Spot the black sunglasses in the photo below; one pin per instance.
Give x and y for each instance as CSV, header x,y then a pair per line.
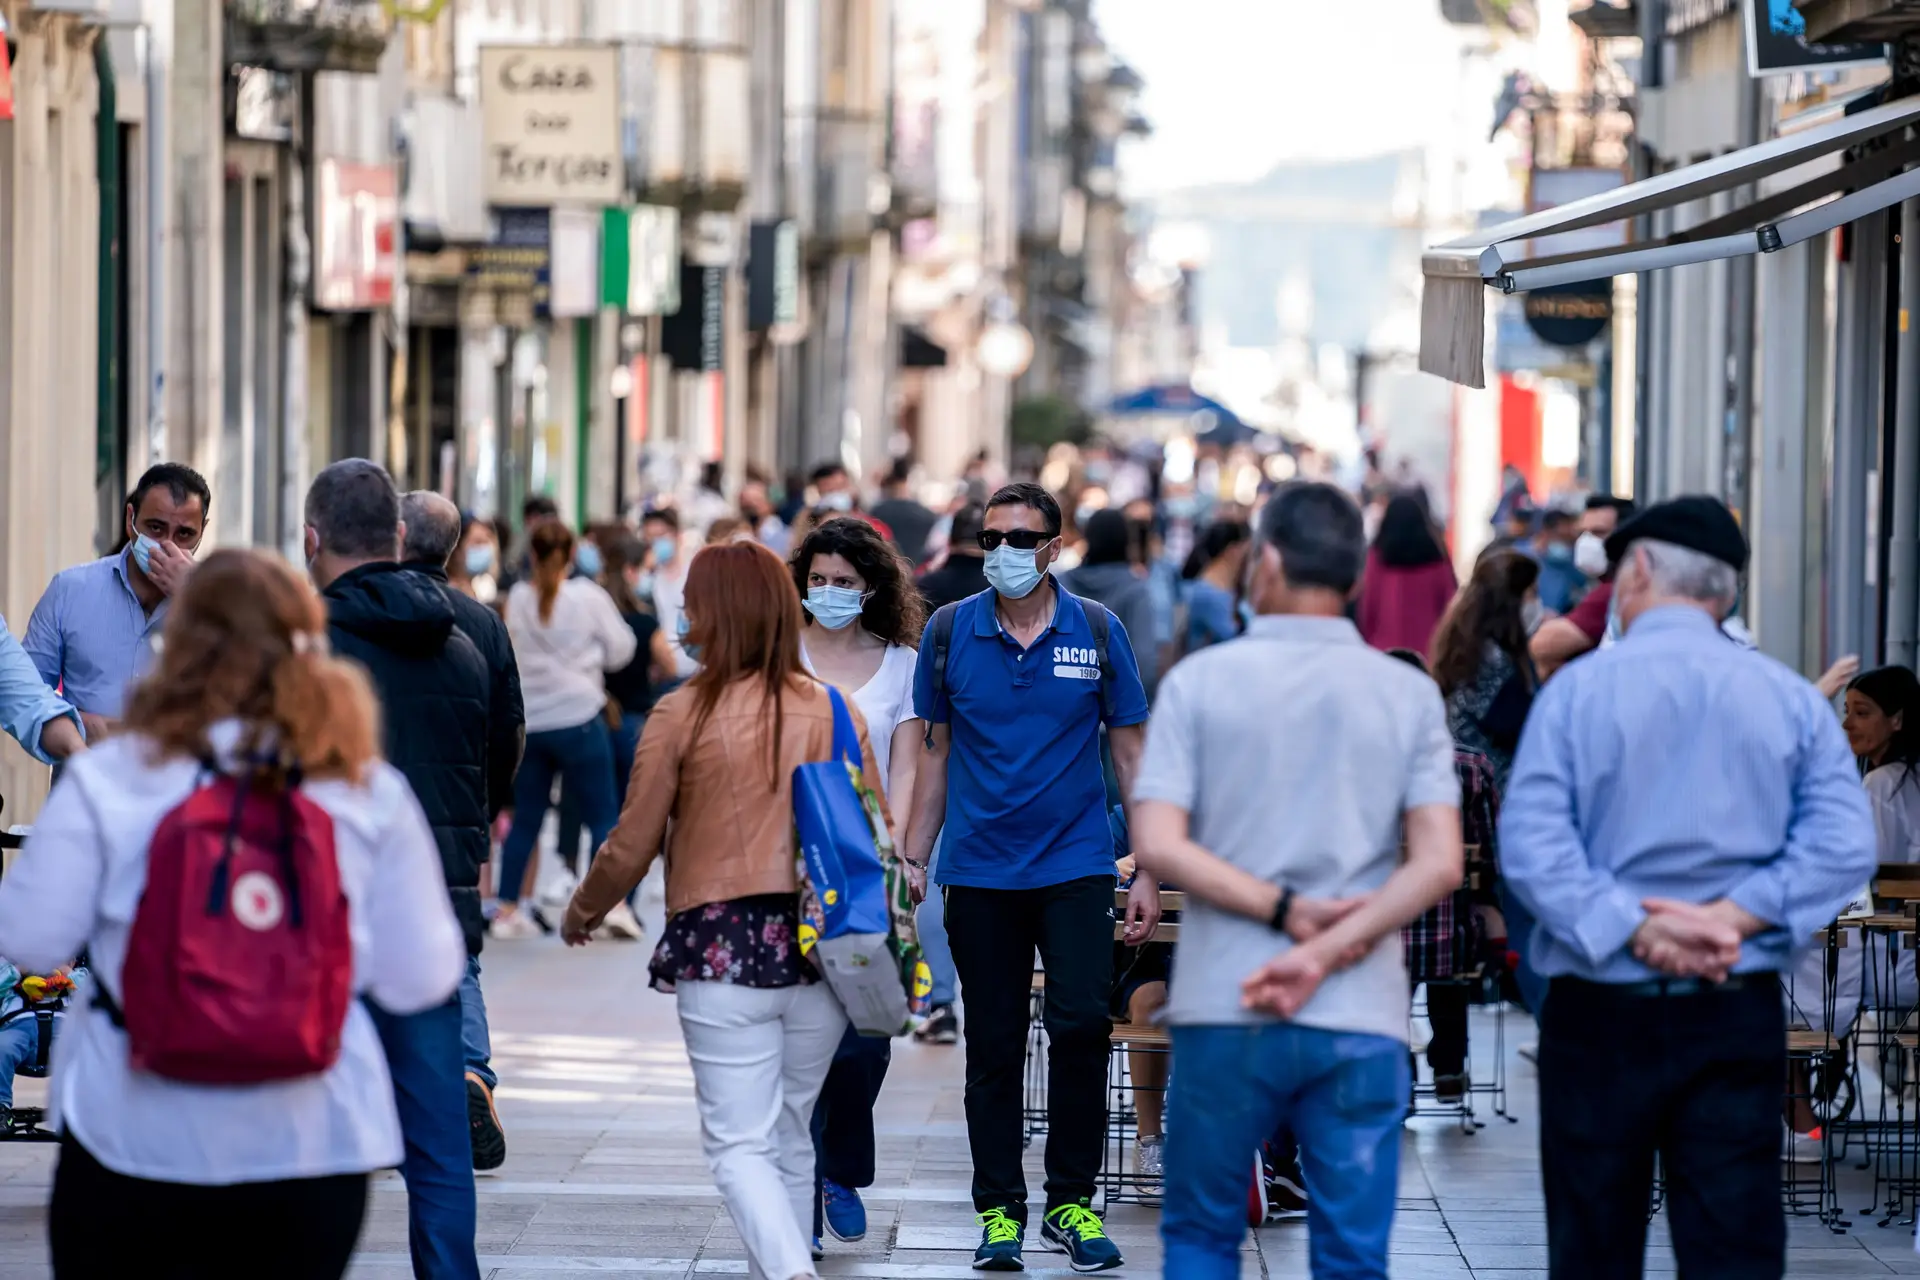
x,y
1018,539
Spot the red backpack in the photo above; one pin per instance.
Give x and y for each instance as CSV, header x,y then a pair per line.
x,y
239,967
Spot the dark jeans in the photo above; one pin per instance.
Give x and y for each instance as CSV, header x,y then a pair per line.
x,y
994,933
427,1058
1447,1004
1342,1094
626,743
582,758
843,1115
1696,1078
105,1225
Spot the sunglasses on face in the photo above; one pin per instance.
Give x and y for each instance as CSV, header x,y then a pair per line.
x,y
1018,539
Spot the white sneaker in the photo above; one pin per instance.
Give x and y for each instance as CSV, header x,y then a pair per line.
x,y
1801,1148
1149,1157
621,925
555,889
513,924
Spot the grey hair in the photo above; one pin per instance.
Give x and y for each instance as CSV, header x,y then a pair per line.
x,y
1319,533
433,527
1689,574
355,510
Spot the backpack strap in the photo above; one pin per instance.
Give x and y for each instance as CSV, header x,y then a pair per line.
x,y
939,635
1100,622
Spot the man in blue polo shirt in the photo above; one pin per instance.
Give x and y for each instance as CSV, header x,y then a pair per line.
x,y
1012,770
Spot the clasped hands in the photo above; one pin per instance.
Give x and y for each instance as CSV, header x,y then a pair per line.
x,y
1686,940
1286,983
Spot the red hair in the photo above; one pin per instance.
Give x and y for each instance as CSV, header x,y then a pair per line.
x,y
744,616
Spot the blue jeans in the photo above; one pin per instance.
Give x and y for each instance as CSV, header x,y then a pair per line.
x,y
582,758
19,1046
626,745
1344,1095
475,1043
930,919
425,1056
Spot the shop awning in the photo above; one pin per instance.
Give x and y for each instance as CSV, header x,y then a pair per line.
x,y
1453,306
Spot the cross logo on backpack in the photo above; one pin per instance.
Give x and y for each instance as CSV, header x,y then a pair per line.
x,y
239,966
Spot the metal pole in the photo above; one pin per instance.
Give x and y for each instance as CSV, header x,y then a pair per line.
x,y
1903,542
156,40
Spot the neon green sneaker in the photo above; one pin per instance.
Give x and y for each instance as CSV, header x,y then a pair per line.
x,y
999,1242
1075,1230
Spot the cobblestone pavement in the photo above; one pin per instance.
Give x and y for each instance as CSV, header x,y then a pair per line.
x,y
605,1178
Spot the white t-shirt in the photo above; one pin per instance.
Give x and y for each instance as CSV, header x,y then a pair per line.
x,y
886,701
564,660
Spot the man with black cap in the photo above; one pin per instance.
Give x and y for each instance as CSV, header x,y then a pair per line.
x,y
1682,812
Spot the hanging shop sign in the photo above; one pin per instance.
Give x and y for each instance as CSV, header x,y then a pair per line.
x,y
773,275
518,258
551,119
357,216
1777,43
260,104
694,337
640,260
1570,315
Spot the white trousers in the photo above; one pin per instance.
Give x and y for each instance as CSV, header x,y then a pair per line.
x,y
759,1059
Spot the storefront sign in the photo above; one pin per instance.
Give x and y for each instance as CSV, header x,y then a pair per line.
x,y
1777,44
552,124
693,337
773,275
356,220
1570,315
518,259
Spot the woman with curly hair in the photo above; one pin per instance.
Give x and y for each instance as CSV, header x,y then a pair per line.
x,y
864,616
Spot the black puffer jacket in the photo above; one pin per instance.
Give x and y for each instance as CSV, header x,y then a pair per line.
x,y
506,711
434,692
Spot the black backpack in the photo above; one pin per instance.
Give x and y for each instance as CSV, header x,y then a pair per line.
x,y
939,635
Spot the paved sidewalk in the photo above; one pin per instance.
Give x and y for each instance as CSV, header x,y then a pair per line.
x,y
605,1177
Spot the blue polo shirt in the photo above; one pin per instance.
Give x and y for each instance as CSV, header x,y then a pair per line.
x,y
1026,799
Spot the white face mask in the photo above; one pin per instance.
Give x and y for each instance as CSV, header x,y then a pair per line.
x,y
1590,554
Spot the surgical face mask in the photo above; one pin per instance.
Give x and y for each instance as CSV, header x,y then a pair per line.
x,y
587,558
664,549
479,559
1559,552
680,631
143,549
835,607
840,501
1590,554
1614,629
1184,507
1012,572
1531,615
1246,614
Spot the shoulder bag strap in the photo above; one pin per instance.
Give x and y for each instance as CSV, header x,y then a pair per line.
x,y
940,635
846,740
1100,621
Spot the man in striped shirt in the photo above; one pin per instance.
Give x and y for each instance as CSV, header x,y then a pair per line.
x,y
1682,812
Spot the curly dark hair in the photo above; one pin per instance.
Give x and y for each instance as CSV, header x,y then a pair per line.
x,y
894,612
1489,607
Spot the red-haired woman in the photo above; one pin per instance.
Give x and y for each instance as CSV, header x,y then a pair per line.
x,y
276,1173
567,634
717,757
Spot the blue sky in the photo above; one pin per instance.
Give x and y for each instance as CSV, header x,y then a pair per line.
x,y
1235,86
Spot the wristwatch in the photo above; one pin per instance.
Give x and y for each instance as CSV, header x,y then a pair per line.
x,y
1281,910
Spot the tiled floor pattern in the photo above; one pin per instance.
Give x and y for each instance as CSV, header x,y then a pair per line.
x,y
605,1177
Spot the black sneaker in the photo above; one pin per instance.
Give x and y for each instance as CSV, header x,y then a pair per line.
x,y
942,1026
483,1123
999,1250
1076,1231
1286,1186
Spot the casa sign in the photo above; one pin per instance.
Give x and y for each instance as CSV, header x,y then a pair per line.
x,y
552,122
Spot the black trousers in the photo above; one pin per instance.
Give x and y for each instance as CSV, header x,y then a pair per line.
x,y
1697,1078
843,1142
1447,1004
107,1226
994,933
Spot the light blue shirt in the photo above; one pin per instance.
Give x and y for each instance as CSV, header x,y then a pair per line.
x,y
1677,764
26,704
90,637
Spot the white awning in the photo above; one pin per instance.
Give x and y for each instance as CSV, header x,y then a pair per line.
x,y
1453,308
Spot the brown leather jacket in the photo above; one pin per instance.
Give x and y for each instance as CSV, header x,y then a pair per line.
x,y
731,834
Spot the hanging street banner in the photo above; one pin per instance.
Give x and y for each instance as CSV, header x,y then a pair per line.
x,y
551,118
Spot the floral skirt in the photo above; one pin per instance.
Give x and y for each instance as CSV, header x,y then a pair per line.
x,y
750,942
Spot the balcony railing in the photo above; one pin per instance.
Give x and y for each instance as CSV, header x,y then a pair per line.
x,y
307,35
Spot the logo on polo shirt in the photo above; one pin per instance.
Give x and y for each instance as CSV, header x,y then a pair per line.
x,y
1072,662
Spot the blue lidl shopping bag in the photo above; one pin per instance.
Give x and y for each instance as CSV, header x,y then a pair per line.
x,y
855,918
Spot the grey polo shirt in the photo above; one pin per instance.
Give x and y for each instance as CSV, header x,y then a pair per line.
x,y
1296,749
